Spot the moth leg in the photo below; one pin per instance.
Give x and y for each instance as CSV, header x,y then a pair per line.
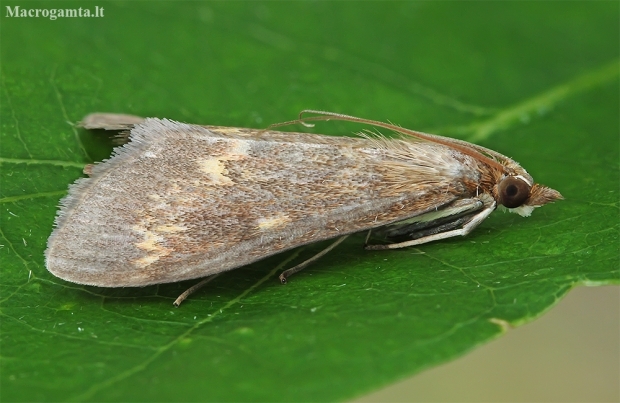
x,y
193,289
287,273
464,230
367,237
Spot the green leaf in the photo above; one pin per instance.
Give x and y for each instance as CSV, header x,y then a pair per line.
x,y
537,81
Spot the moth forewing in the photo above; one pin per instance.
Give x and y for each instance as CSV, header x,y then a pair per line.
x,y
184,201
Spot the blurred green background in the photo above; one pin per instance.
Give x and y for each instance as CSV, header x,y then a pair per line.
x,y
537,81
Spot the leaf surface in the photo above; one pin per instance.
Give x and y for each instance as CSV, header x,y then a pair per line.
x,y
535,81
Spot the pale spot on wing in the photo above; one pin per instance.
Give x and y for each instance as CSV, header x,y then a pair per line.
x,y
146,261
169,228
215,168
235,131
152,243
273,222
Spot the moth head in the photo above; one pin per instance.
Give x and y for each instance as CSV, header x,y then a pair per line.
x,y
520,195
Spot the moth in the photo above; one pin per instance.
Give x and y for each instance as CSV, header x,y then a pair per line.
x,y
182,201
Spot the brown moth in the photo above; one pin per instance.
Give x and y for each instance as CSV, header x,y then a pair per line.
x,y
182,201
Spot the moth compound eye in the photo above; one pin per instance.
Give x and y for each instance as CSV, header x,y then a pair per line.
x,y
513,192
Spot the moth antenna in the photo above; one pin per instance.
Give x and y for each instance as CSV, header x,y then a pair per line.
x,y
472,150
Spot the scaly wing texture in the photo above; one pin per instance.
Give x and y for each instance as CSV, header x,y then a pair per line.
x,y
183,201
